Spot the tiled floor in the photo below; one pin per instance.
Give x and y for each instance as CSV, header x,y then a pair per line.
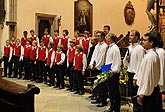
x,y
55,100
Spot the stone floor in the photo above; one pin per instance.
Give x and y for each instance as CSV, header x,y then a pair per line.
x,y
55,100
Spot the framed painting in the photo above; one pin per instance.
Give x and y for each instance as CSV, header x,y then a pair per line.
x,y
83,13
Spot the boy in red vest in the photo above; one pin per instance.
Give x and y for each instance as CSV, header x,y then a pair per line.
x,y
77,39
26,60
13,44
56,39
47,38
18,58
86,42
49,64
70,59
80,63
7,55
59,62
42,54
24,38
33,37
64,41
33,55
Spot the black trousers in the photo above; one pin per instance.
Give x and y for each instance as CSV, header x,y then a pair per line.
x,y
78,84
152,103
114,92
50,74
33,69
27,67
7,65
60,75
41,71
17,66
70,74
132,91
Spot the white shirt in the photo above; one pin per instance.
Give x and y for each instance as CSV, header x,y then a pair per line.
x,y
136,54
11,52
149,73
22,51
52,56
113,57
99,55
84,61
62,58
161,53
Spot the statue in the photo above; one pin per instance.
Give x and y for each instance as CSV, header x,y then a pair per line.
x,y
150,5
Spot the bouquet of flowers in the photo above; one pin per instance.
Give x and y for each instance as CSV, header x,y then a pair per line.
x,y
123,75
100,78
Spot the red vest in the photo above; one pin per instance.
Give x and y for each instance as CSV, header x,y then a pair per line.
x,y
55,40
41,53
78,61
18,50
33,53
64,42
13,44
27,51
71,54
6,51
45,38
48,61
58,57
77,42
23,41
85,44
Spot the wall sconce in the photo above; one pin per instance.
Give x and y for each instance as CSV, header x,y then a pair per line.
x,y
59,20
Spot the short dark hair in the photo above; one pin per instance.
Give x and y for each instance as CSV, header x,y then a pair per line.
x,y
76,31
66,31
107,26
102,33
56,31
32,31
112,36
137,34
25,32
160,40
152,37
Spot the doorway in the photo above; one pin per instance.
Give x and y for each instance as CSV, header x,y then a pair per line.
x,y
42,25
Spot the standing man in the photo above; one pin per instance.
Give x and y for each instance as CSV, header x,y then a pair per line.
x,y
34,37
132,60
106,29
97,61
149,96
24,38
113,57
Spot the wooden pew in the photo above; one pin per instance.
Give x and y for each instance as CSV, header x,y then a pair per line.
x,y
17,98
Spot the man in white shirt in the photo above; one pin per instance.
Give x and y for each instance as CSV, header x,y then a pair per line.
x,y
149,96
132,60
97,61
161,53
113,57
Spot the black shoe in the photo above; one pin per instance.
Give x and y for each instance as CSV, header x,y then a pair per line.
x,y
50,84
69,89
25,78
81,93
102,104
76,92
19,77
32,79
9,76
14,76
94,98
109,110
4,76
72,90
61,87
95,102
56,86
90,96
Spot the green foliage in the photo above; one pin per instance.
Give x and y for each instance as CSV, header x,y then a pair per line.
x,y
123,75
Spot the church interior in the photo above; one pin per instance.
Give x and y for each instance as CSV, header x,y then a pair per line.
x,y
18,16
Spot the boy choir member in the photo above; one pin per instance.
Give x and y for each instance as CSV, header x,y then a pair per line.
x,y
70,58
13,44
161,53
47,38
85,42
79,64
56,39
149,96
24,38
49,64
113,57
65,41
132,60
77,39
42,54
33,55
7,55
18,58
33,37
106,29
26,59
59,64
